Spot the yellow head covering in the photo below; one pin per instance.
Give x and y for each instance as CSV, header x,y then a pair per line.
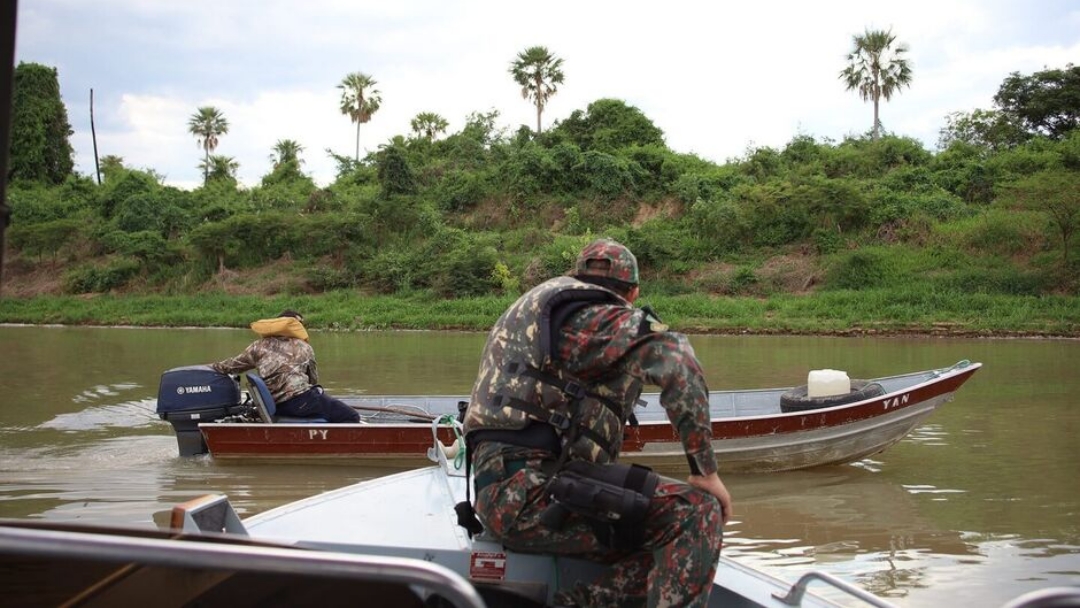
x,y
286,327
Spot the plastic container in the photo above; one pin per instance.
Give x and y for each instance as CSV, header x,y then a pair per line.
x,y
827,382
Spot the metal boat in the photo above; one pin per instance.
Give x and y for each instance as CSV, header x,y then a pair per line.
x,y
751,431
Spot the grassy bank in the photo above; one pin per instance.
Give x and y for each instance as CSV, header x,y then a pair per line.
x,y
881,311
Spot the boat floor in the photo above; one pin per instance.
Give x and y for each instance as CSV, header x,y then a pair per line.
x,y
411,514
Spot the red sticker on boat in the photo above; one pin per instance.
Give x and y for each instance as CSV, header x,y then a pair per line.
x,y
487,566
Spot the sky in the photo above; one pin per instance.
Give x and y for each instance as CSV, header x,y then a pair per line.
x,y
718,78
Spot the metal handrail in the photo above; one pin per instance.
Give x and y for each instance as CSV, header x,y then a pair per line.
x,y
1051,597
798,590
278,560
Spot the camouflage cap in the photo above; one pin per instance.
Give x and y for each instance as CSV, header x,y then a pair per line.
x,y
609,259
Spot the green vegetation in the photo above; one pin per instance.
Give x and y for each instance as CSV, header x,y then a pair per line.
x,y
40,150
870,234
882,311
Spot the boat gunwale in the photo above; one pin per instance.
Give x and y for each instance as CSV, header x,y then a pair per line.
x,y
946,373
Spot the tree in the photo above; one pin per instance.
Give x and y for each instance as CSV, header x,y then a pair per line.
x,y
538,72
1057,194
395,174
286,151
40,149
111,165
207,125
359,100
988,129
429,124
287,161
876,69
609,125
1045,103
218,167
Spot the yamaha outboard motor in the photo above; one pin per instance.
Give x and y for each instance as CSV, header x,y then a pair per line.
x,y
190,395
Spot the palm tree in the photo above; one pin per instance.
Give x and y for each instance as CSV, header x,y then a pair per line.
x,y
359,100
286,150
877,69
220,167
207,124
429,124
111,164
538,72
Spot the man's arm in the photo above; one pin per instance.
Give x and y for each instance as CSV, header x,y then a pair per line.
x,y
666,359
240,363
601,338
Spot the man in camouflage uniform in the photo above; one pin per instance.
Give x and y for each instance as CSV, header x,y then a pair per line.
x,y
576,346
286,363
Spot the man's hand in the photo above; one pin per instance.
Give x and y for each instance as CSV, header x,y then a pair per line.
x,y
713,485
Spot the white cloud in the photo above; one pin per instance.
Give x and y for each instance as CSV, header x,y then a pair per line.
x,y
716,77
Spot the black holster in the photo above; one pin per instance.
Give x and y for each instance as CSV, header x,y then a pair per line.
x,y
614,498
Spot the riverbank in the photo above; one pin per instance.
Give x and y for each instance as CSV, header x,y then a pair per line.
x,y
863,312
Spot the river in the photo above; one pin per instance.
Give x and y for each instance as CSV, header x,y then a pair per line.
x,y
978,505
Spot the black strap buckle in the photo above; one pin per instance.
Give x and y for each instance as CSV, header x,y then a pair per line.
x,y
574,390
559,421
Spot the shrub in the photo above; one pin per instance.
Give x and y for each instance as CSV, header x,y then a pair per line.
x,y
504,280
45,238
531,170
720,226
391,270
93,278
743,280
858,270
465,270
124,185
772,222
827,241
283,194
459,190
1002,279
999,233
605,175
33,202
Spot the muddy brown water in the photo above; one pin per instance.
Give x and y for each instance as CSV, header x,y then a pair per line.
x,y
978,505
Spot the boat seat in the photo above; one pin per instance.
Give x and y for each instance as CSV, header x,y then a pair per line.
x,y
264,403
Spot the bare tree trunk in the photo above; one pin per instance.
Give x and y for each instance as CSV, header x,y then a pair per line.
x,y
358,141
877,121
93,134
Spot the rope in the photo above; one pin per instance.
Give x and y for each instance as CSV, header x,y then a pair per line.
x,y
459,458
961,364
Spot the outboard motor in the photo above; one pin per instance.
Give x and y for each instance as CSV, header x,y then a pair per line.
x,y
194,394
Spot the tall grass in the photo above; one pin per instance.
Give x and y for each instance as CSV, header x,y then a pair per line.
x,y
921,308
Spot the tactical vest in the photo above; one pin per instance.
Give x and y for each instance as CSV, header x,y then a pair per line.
x,y
521,383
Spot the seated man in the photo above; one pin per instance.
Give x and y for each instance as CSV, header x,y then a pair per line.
x,y
286,362
559,378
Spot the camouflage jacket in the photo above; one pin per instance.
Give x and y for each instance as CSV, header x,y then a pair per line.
x,y
611,344
287,365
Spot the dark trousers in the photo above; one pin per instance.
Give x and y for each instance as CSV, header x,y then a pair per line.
x,y
315,403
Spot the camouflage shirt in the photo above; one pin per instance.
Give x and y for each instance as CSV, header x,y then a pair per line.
x,y
602,345
603,338
287,365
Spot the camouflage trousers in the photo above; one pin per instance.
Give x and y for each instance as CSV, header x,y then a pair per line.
x,y
674,566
